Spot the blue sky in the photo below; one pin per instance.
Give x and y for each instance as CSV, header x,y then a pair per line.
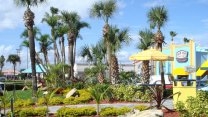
x,y
189,18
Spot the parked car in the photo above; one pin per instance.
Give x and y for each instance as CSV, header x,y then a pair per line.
x,y
3,79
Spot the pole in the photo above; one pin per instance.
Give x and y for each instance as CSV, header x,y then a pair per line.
x,y
12,107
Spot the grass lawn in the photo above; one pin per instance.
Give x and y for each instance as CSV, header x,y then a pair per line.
x,y
26,94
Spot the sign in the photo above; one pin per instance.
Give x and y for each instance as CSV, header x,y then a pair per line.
x,y
182,56
190,69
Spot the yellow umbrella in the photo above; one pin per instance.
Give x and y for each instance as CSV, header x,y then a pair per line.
x,y
151,54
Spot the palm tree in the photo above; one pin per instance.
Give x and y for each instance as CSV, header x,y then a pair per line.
x,y
117,37
72,20
52,21
45,42
29,22
105,10
157,17
2,59
13,58
145,37
96,55
172,34
60,31
186,40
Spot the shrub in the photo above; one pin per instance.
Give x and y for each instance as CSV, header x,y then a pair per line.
x,y
70,100
41,101
83,111
111,111
56,101
25,112
141,107
23,103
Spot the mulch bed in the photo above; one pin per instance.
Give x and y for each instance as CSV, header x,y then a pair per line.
x,y
170,113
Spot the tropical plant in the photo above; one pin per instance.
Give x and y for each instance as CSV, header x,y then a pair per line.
x,y
52,21
5,99
29,22
96,55
145,38
172,34
117,37
45,42
74,25
60,31
157,17
105,10
13,58
186,40
2,60
98,93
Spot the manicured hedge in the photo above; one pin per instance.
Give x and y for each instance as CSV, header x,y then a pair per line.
x,y
111,111
83,111
25,112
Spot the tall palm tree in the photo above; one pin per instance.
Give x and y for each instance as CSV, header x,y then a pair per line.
x,y
29,22
2,60
60,31
72,20
96,55
157,17
13,58
105,10
172,34
45,42
52,21
145,37
117,38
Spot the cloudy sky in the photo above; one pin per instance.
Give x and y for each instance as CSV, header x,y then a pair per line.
x,y
189,18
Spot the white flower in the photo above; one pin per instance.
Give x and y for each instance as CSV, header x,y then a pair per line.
x,y
45,93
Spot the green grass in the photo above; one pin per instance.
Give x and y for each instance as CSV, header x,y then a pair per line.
x,y
26,94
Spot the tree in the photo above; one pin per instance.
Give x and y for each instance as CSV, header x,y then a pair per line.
x,y
105,10
2,60
60,31
74,25
29,22
52,21
186,40
157,17
96,55
45,42
172,34
13,58
117,38
145,38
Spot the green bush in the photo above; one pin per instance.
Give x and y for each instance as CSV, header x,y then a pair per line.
x,y
141,107
70,100
56,101
41,101
111,111
25,112
23,103
83,111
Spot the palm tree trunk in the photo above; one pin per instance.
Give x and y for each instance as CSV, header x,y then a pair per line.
x,y
114,69
145,72
74,53
29,22
14,71
60,48
70,56
56,53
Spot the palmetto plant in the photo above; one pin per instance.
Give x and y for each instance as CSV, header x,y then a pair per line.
x,y
157,17
145,38
96,55
172,34
13,58
29,22
117,38
74,25
45,42
52,21
5,99
105,10
98,93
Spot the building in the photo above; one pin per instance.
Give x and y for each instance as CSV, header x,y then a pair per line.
x,y
190,61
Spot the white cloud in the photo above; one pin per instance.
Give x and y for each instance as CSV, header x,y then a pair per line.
x,y
153,3
11,16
